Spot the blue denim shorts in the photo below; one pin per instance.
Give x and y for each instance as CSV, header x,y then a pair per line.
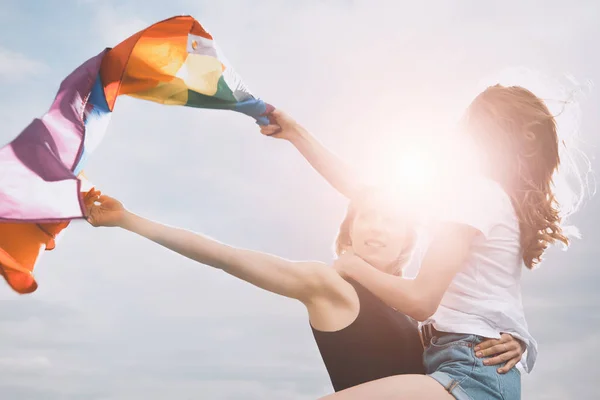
x,y
450,360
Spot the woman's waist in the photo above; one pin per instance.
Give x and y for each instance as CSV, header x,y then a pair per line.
x,y
483,321
447,322
429,331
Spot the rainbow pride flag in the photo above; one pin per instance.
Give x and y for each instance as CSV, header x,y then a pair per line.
x,y
173,62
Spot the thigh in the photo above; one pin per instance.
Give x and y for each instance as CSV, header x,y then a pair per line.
x,y
400,387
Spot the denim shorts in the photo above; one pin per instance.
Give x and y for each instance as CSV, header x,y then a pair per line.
x,y
450,360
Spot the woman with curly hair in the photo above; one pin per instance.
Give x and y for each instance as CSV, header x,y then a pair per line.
x,y
468,289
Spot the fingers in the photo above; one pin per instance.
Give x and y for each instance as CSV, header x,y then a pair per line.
x,y
504,350
92,201
487,344
94,192
269,130
491,347
509,365
502,358
89,201
275,114
498,349
278,117
91,194
490,351
514,341
506,338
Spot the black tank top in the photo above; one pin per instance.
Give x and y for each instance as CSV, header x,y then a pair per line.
x,y
381,342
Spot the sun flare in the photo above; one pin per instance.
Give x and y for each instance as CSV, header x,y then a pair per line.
x,y
422,172
414,170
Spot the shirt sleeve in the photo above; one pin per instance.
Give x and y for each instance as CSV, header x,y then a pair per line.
x,y
476,203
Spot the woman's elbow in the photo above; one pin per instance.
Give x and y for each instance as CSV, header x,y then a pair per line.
x,y
424,308
422,315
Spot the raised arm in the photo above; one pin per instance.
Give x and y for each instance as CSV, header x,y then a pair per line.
x,y
327,164
421,296
300,280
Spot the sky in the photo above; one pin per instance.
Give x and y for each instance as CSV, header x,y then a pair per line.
x,y
116,317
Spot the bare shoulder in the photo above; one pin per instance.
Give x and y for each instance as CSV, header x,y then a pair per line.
x,y
334,303
328,286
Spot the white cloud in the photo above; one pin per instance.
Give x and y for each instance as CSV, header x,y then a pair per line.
x,y
24,364
14,66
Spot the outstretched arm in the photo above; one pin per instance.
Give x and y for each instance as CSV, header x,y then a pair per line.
x,y
299,280
333,169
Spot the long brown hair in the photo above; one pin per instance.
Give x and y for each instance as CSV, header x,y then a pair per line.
x,y
344,241
518,134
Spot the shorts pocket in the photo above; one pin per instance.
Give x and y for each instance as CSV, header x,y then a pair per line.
x,y
510,384
452,340
444,352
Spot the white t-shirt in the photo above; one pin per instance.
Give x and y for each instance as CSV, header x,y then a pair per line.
x,y
484,298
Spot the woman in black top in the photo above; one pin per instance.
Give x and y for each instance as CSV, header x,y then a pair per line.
x,y
360,338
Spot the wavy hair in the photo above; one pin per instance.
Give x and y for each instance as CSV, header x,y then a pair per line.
x,y
519,136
